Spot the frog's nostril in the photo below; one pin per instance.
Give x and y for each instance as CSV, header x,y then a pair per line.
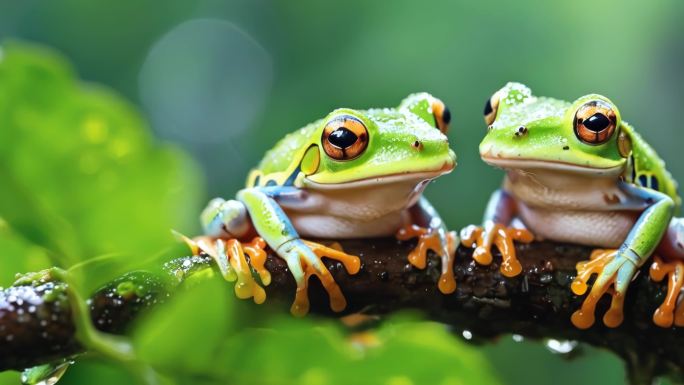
x,y
417,145
521,131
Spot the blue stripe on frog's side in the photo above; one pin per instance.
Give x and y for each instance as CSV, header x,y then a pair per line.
x,y
291,179
281,179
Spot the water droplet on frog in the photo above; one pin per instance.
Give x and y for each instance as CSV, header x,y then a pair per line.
x,y
518,338
467,334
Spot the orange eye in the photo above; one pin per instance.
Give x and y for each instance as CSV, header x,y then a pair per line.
x,y
442,115
344,138
491,107
595,122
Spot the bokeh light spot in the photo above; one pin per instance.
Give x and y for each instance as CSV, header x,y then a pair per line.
x,y
94,130
204,81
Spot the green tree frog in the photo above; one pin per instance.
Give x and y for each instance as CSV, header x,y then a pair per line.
x,y
576,172
352,174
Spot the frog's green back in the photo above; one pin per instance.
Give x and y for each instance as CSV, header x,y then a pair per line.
x,y
647,169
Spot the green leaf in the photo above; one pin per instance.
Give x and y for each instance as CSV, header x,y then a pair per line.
x,y
18,255
94,371
199,338
81,174
316,352
427,353
184,335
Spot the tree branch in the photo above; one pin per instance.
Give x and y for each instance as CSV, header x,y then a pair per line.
x,y
35,328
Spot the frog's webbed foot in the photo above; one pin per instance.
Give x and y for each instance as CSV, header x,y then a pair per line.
x,y
230,256
304,260
494,234
669,311
441,243
615,272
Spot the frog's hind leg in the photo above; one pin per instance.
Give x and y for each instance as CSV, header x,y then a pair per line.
x,y
433,236
224,223
230,257
225,218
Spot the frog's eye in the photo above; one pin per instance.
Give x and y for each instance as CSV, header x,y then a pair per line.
x,y
595,122
344,138
442,115
491,107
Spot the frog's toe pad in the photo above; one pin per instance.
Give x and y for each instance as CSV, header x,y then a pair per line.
x,y
429,239
669,311
585,269
585,316
351,263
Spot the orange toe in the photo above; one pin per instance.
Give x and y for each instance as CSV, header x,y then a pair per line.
x,y
584,317
257,258
246,286
665,315
338,303
429,239
503,239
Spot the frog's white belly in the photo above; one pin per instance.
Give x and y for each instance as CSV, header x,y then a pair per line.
x,y
570,208
593,228
353,211
325,226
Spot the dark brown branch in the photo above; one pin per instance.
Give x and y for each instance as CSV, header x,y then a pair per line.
x,y
536,304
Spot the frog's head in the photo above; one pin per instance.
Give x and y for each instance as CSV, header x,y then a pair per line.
x,y
529,132
379,145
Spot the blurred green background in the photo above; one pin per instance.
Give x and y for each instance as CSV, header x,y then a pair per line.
x,y
223,80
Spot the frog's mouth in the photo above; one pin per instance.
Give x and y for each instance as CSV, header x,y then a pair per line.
x,y
556,165
408,176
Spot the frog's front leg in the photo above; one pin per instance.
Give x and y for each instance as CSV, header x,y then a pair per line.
x,y
495,231
432,234
616,268
303,258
